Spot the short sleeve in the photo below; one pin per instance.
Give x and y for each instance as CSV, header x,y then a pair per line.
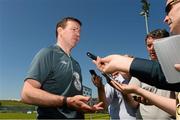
x,y
40,66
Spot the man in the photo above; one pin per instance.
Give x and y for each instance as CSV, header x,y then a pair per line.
x,y
54,81
146,110
119,105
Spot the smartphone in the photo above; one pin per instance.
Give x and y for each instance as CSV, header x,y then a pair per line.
x,y
93,73
108,77
92,56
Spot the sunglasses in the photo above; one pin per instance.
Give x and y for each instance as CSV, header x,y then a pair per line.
x,y
169,6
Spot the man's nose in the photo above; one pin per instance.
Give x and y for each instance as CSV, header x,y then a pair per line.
x,y
166,19
78,34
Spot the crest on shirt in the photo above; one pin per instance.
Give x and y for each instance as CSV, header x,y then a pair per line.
x,y
77,82
64,62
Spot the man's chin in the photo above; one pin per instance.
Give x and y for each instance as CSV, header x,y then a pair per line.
x,y
73,46
153,57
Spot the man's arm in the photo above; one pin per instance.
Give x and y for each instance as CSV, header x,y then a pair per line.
x,y
32,94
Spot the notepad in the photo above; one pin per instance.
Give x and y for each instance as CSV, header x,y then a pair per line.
x,y
168,53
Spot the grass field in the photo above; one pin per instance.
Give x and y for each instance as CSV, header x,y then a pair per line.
x,y
33,116
18,114
97,116
13,103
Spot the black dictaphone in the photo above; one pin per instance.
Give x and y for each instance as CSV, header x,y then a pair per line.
x,y
92,56
93,72
107,76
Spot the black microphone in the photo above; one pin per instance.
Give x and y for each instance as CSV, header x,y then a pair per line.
x,y
90,55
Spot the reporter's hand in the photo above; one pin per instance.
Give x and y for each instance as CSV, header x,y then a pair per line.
x,y
104,63
113,63
97,81
125,88
79,103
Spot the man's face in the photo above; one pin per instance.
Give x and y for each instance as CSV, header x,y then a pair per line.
x,y
70,35
172,17
150,48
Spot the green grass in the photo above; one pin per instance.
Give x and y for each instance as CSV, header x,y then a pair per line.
x,y
13,103
33,116
17,116
97,116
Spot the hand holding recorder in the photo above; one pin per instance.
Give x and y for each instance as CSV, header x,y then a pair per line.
x,y
94,57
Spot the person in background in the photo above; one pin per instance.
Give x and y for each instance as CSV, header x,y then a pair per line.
x,y
148,111
120,106
54,80
146,70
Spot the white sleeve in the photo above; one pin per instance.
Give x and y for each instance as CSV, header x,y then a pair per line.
x,y
109,92
135,81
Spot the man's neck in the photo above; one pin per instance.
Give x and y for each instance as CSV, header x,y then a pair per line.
x,y
64,47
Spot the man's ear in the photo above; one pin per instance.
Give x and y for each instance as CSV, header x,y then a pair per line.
x,y
59,30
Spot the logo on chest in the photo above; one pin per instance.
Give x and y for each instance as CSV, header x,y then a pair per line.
x,y
76,81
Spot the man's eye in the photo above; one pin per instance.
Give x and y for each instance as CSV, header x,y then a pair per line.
x,y
74,29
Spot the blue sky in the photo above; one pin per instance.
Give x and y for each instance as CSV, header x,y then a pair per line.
x,y
109,27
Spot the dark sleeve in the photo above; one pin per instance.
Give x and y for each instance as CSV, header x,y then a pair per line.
x,y
150,72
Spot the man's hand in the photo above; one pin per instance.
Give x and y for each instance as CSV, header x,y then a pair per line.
x,y
79,103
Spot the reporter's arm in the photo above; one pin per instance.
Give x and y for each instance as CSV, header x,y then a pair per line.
x,y
166,104
97,81
102,96
150,72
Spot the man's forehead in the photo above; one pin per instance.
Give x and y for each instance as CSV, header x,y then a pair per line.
x,y
73,23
